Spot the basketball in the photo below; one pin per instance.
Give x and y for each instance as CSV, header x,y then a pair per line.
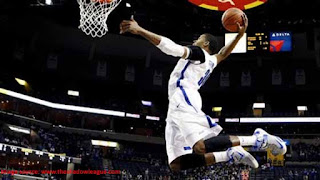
x,y
230,18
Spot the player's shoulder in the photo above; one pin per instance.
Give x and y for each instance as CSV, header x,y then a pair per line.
x,y
196,54
199,50
199,55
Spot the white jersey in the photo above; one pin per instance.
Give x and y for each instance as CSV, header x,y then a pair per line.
x,y
186,123
190,74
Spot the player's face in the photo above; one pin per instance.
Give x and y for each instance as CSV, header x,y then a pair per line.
x,y
200,41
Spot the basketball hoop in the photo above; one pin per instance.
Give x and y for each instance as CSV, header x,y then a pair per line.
x,y
94,14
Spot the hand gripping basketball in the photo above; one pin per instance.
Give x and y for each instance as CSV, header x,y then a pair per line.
x,y
232,17
242,28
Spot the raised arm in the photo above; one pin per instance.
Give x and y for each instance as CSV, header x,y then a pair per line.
x,y
164,44
227,49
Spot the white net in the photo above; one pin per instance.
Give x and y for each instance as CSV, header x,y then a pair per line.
x,y
94,14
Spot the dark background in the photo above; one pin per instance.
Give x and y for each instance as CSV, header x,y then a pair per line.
x,y
30,34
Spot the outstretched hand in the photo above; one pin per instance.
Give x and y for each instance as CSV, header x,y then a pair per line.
x,y
130,26
242,29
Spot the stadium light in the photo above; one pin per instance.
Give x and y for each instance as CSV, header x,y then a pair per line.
x,y
232,120
73,93
21,82
146,103
104,143
217,109
48,2
133,115
302,108
258,106
19,129
61,106
154,118
128,5
280,120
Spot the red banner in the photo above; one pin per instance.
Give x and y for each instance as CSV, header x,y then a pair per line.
x,y
222,5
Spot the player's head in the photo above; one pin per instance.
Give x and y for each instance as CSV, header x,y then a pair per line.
x,y
207,41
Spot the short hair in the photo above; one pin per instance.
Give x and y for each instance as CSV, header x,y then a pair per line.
x,y
212,42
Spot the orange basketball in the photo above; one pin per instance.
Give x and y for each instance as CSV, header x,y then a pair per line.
x,y
230,18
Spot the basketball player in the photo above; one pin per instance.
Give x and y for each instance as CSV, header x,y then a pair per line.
x,y
191,136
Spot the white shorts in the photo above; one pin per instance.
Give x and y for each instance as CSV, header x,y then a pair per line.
x,y
186,124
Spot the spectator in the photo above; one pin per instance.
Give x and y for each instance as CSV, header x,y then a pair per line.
x,y
146,174
124,175
290,173
305,174
296,174
313,174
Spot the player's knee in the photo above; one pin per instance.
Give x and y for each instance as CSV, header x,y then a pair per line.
x,y
175,167
199,147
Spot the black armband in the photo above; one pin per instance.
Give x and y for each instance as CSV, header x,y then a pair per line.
x,y
196,54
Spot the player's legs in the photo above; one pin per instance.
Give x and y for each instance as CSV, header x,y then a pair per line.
x,y
198,160
233,155
219,143
186,128
180,154
260,140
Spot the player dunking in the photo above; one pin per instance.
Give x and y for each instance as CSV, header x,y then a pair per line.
x,y
191,136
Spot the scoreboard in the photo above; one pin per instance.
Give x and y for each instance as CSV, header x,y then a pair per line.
x,y
262,42
258,42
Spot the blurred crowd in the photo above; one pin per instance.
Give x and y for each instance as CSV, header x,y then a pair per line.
x,y
217,172
46,140
306,152
147,161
